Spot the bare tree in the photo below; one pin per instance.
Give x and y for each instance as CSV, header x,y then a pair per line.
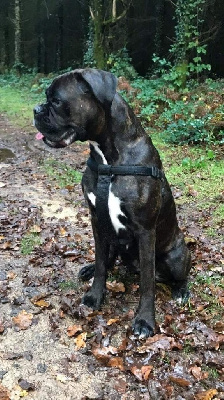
x,y
17,24
103,20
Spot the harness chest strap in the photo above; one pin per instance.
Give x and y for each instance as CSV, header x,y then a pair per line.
x,y
105,173
105,169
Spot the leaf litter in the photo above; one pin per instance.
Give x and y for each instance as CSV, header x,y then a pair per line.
x,y
40,293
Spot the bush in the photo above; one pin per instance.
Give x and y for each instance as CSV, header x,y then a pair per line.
x,y
194,117
120,65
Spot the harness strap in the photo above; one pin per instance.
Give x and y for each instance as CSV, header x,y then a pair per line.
x,y
105,169
105,173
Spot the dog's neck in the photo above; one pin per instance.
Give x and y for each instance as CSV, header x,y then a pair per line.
x,y
120,143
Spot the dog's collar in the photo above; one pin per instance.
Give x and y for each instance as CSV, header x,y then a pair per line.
x,y
105,169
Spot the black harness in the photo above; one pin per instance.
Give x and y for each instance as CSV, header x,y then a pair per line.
x,y
105,169
105,173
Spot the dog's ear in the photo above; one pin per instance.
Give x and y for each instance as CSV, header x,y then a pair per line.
x,y
103,84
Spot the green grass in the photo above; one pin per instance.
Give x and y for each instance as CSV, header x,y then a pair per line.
x,y
61,173
196,168
69,285
29,241
18,96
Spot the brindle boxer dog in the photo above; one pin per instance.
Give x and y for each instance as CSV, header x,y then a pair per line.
x,y
132,208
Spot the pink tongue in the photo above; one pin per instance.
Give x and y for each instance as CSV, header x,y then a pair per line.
x,y
39,136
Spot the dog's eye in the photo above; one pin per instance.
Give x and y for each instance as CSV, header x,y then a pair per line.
x,y
56,101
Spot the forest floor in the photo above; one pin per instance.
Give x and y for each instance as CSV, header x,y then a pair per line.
x,y
51,347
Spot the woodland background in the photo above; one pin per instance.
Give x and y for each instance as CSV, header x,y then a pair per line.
x,y
51,35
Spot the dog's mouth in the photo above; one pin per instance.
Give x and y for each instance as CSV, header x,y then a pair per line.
x,y
56,144
68,137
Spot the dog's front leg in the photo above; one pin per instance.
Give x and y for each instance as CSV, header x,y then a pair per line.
x,y
94,297
144,322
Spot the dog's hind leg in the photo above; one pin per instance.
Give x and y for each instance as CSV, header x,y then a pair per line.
x,y
177,263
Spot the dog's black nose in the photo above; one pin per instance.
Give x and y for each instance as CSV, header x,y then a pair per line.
x,y
37,109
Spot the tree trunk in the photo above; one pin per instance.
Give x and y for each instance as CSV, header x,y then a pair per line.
x,y
59,50
98,45
17,33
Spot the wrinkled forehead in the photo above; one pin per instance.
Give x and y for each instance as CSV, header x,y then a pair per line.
x,y
65,86
60,86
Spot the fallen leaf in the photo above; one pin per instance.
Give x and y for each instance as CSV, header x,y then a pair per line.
x,y
23,393
11,275
116,362
120,385
137,372
191,191
198,373
5,245
41,303
180,381
112,321
72,330
63,231
104,354
190,240
80,341
35,229
4,393
206,395
23,320
159,342
146,370
115,286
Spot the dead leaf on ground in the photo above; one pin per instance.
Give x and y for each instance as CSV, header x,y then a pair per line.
x,y
4,393
63,231
6,245
104,354
146,370
115,287
2,328
159,342
11,275
112,321
116,362
206,395
35,229
41,303
198,373
179,381
137,372
72,330
191,191
80,341
190,240
23,320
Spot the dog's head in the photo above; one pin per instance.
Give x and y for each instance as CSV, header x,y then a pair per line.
x,y
76,107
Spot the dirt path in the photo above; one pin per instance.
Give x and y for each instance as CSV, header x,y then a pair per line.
x,y
42,354
40,293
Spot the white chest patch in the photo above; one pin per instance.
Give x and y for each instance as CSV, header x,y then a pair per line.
x,y
115,210
99,151
92,198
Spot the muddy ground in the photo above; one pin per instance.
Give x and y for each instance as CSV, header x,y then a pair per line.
x,y
97,357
